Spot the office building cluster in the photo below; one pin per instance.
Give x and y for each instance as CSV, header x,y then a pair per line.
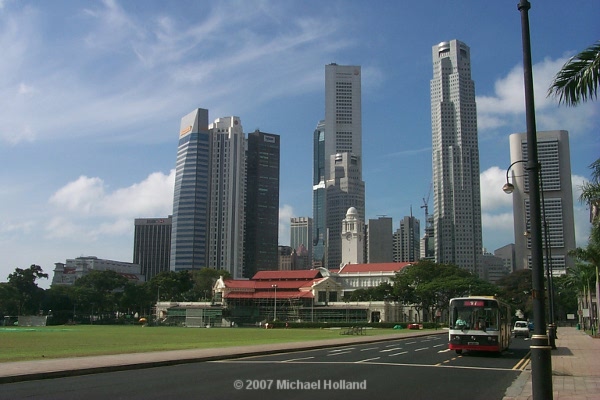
x,y
226,194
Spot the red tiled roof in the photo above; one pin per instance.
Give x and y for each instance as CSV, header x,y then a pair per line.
x,y
374,267
287,275
269,295
242,284
282,284
268,285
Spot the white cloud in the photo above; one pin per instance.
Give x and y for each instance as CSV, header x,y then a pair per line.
x,y
155,69
492,196
86,208
506,106
285,214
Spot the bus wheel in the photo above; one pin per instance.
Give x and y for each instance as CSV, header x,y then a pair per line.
x,y
458,351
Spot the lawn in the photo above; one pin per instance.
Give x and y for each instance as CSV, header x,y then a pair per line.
x,y
35,343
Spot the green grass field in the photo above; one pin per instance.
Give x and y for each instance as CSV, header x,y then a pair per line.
x,y
24,343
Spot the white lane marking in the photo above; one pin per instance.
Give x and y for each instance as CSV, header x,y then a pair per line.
x,y
444,351
369,348
367,359
422,348
397,354
297,359
411,342
392,349
440,345
343,349
338,353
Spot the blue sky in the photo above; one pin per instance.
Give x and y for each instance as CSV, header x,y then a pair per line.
x,y
93,93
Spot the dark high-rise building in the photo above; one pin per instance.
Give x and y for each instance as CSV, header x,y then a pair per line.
x,y
262,203
152,245
319,221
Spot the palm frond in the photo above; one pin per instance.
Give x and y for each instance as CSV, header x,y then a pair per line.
x,y
578,78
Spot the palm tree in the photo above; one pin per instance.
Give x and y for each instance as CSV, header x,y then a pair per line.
x,y
578,78
581,278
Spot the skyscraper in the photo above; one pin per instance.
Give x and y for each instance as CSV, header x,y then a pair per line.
x,y
191,196
227,196
319,221
342,154
262,203
380,247
301,230
455,159
558,225
344,189
406,240
152,245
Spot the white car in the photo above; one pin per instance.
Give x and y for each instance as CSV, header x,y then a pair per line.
x,y
521,328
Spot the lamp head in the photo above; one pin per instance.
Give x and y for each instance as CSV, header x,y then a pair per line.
x,y
508,188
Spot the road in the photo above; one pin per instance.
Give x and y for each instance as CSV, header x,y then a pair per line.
x,y
416,368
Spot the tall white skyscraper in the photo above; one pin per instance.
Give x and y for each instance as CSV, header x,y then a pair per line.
x,y
342,154
227,196
457,197
558,225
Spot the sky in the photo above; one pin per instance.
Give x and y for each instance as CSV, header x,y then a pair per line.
x,y
92,94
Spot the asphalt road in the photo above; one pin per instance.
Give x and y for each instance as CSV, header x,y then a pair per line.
x,y
417,368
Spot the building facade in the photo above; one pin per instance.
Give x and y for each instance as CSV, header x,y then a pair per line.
x,y
191,194
353,242
262,203
75,268
455,158
227,196
507,254
345,189
319,222
338,159
558,226
407,246
301,236
152,245
380,246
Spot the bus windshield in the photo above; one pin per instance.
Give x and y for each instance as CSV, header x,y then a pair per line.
x,y
474,314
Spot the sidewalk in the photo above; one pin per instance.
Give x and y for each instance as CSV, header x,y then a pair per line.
x,y
575,369
55,368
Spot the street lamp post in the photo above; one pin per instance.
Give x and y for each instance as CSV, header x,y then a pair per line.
x,y
275,303
541,360
509,188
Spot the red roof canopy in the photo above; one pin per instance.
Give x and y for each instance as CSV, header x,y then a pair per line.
x,y
374,267
287,275
269,295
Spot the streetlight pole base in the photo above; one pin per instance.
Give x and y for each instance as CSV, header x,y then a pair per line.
x,y
541,367
552,336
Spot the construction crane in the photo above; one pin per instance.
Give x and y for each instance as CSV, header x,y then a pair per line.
x,y
426,206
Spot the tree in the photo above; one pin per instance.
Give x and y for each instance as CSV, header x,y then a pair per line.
x,y
578,78
29,294
172,286
516,290
429,286
99,291
9,300
204,280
